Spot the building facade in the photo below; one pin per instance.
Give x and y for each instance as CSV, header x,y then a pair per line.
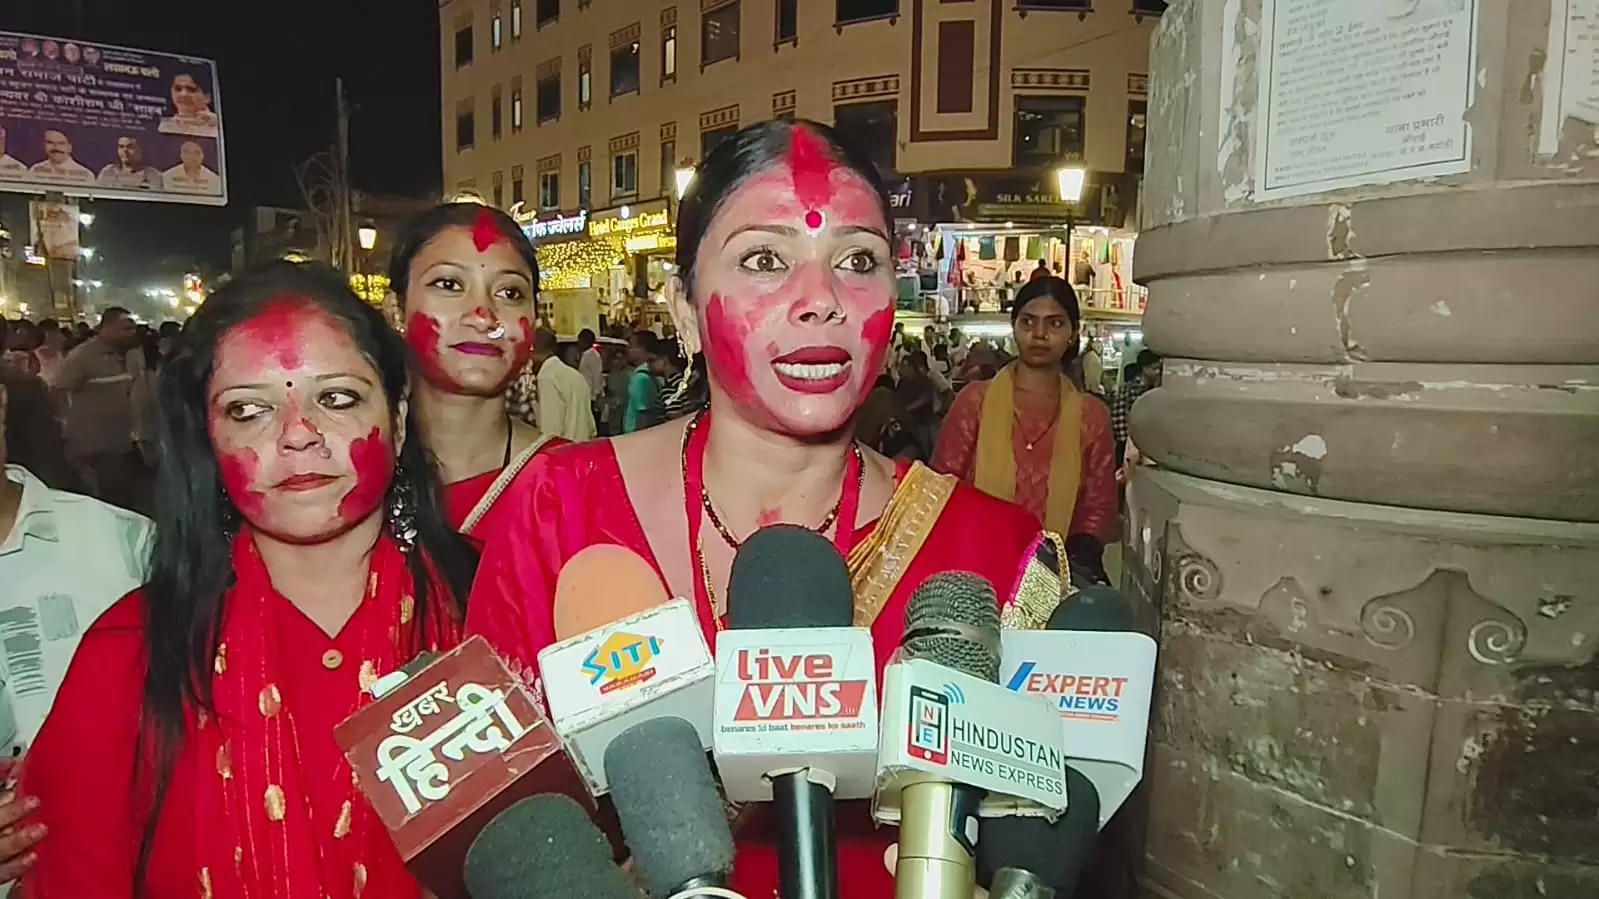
x,y
572,107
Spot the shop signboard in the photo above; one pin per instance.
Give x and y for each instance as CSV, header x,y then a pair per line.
x,y
96,120
559,226
1022,198
631,221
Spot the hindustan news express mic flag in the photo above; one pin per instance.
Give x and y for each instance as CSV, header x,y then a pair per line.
x,y
91,119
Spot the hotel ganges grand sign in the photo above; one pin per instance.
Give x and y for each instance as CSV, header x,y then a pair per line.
x,y
642,228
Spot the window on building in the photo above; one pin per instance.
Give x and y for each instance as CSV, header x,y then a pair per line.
x,y
668,168
516,184
787,21
549,98
463,46
495,109
1049,131
1055,4
547,11
710,140
1149,7
624,69
465,126
516,109
516,19
585,83
585,183
1137,112
669,52
499,189
624,176
496,35
874,127
549,191
863,10
719,34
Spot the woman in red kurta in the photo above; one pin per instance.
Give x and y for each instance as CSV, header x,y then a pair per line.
x,y
466,278
301,552
1029,436
786,281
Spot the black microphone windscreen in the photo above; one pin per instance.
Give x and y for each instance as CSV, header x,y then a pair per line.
x,y
953,620
543,846
788,576
667,800
1096,608
1056,853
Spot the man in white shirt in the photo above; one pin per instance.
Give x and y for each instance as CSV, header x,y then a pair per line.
x,y
191,176
566,408
591,365
64,559
10,166
58,164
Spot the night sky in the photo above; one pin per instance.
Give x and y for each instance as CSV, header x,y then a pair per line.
x,y
276,61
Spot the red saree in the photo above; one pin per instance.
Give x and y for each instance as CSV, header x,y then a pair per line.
x,y
261,801
470,502
574,498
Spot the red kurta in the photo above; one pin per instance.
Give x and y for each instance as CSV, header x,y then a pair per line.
x,y
1095,512
83,765
575,497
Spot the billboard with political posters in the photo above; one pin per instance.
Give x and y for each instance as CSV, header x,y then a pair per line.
x,y
95,120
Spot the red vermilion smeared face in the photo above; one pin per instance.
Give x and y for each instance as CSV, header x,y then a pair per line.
x,y
304,441
469,308
795,309
486,230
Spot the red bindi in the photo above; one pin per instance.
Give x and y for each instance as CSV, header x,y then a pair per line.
x,y
486,230
812,171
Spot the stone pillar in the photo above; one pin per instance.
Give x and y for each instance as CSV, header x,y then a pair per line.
x,y
1372,537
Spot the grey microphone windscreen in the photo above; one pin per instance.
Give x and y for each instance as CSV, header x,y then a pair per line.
x,y
666,797
1054,853
1095,608
953,620
789,576
543,846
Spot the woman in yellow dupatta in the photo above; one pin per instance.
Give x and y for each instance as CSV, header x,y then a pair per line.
x,y
1029,436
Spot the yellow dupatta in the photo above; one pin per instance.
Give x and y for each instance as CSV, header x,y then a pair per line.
x,y
996,459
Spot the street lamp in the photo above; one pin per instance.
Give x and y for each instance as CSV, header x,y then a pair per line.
x,y
685,177
85,219
86,253
1071,180
368,237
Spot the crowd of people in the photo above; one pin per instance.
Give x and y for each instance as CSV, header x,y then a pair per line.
x,y
327,497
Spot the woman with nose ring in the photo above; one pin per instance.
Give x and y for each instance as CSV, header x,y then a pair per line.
x,y
466,280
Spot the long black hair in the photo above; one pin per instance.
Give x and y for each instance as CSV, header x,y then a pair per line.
x,y
425,226
191,565
753,150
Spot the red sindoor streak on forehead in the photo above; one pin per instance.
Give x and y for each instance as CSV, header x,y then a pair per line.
x,y
486,230
276,330
812,171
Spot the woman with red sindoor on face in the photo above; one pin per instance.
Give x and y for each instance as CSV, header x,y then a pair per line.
x,y
786,282
301,552
466,279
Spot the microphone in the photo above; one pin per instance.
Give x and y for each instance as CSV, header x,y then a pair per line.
x,y
953,621
601,584
951,735
1098,672
1031,858
796,703
449,743
671,812
544,847
633,666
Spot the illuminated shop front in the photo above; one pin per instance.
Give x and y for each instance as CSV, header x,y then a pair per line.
x,y
605,266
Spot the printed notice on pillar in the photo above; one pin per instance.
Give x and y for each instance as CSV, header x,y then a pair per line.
x,y
1359,92
1571,84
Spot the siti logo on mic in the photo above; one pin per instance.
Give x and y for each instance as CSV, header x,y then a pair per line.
x,y
621,662
794,687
